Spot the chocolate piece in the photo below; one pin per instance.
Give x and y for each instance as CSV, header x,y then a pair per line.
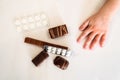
x,y
61,62
58,31
42,43
40,58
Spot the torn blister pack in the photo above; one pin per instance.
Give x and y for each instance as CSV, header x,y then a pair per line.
x,y
58,51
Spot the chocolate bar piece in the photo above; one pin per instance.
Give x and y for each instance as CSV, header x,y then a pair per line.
x,y
42,43
61,62
40,58
58,31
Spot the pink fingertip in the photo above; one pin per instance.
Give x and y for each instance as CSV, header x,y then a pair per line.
x,y
91,48
78,40
85,47
102,45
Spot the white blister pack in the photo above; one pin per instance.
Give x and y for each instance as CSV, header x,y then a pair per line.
x,y
31,21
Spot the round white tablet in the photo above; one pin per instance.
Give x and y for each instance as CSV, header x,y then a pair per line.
x,y
49,51
53,50
25,27
49,47
68,53
44,22
24,20
58,51
37,17
38,24
30,19
43,16
17,22
19,29
63,52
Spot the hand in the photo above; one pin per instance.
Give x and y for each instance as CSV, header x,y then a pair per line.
x,y
94,29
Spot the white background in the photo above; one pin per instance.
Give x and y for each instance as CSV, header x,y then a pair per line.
x,y
16,56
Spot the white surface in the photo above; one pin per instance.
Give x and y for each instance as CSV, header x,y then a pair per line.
x,y
16,56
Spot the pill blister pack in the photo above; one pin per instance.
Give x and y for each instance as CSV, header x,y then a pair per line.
x,y
31,21
58,51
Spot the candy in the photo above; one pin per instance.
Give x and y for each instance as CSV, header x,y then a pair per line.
x,y
58,31
42,43
40,58
61,63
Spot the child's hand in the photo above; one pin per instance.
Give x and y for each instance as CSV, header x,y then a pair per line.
x,y
94,29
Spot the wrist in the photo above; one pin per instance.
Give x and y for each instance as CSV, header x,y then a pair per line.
x,y
109,9
105,15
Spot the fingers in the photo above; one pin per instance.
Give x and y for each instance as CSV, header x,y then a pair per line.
x,y
89,39
83,35
93,33
94,41
102,40
84,25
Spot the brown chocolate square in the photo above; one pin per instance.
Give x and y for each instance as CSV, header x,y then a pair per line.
x,y
58,31
40,58
61,62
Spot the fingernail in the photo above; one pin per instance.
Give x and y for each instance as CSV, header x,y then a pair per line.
x,y
102,45
84,47
91,48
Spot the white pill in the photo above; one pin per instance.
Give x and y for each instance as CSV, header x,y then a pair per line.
x,y
45,22
58,51
53,50
19,29
68,53
49,51
49,47
37,17
38,24
24,20
25,27
17,22
30,19
43,16
63,52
